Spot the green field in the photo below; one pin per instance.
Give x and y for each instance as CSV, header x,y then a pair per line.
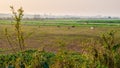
x,y
68,22
62,43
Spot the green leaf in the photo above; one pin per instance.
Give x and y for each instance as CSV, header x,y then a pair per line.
x,y
116,47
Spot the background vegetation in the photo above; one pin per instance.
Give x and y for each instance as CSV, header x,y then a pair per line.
x,y
59,43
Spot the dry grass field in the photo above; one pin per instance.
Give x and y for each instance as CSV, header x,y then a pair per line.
x,y
52,37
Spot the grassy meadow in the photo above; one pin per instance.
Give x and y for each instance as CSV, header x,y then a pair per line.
x,y
62,43
48,34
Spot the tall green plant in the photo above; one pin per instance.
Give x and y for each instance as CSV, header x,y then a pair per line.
x,y
111,49
19,37
107,55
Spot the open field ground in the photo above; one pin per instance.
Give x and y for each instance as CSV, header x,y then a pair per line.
x,y
49,35
61,44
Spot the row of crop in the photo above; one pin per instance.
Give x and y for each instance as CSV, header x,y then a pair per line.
x,y
99,21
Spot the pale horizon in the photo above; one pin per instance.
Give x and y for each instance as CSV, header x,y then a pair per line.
x,y
64,7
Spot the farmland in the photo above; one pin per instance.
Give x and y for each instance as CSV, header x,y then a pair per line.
x,y
66,42
51,32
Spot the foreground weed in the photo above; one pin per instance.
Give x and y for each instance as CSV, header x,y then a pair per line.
x,y
111,49
19,39
107,57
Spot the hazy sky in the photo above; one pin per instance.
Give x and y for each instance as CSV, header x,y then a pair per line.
x,y
73,7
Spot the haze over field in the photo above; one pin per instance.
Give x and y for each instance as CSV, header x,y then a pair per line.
x,y
61,7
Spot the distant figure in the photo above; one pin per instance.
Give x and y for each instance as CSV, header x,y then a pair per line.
x,y
92,28
73,26
58,26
